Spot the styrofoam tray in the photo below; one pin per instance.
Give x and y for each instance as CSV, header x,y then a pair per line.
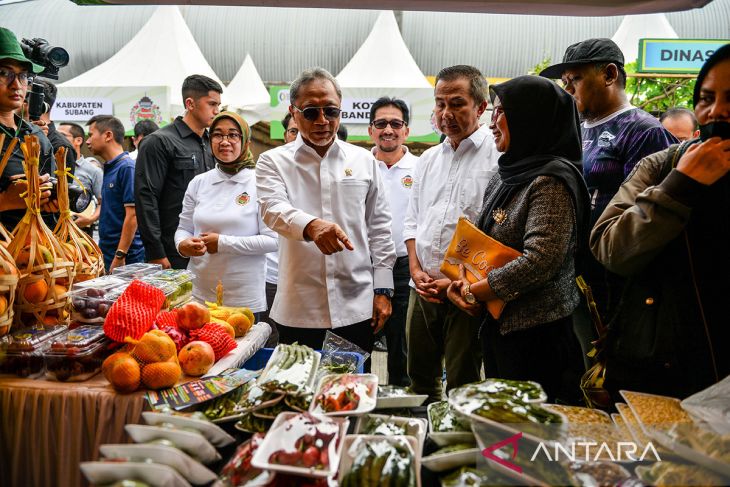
x,y
522,478
103,473
510,428
193,444
282,437
632,424
367,401
401,401
413,426
448,461
192,470
644,426
445,438
269,373
214,434
348,456
691,454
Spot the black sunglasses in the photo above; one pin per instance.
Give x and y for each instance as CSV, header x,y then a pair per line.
x,y
312,113
381,123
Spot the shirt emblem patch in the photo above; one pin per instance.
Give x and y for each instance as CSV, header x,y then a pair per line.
x,y
243,199
407,181
604,140
348,172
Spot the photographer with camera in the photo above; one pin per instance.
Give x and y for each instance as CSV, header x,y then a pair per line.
x,y
57,139
16,73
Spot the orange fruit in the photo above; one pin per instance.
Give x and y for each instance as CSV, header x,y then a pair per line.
x,y
50,320
36,292
57,292
161,375
3,305
122,371
154,346
229,329
240,323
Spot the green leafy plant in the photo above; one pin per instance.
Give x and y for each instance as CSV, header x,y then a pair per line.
x,y
656,95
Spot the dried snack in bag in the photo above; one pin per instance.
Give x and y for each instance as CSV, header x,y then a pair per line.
x,y
134,312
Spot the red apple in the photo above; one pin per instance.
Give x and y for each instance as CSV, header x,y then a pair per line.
x,y
192,316
196,358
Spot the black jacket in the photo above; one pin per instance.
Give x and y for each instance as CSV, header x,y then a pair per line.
x,y
58,140
168,160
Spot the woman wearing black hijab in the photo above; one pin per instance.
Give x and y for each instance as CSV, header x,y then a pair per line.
x,y
537,204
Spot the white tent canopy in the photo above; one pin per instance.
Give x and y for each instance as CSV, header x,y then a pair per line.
x,y
635,27
247,94
534,7
383,60
156,60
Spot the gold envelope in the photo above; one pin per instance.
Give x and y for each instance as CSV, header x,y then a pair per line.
x,y
479,253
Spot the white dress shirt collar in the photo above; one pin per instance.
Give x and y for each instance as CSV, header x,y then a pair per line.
x,y
404,162
477,138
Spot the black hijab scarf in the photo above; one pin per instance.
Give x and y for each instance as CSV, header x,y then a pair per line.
x,y
545,140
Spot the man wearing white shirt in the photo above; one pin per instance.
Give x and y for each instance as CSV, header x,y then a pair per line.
x,y
388,130
326,199
449,182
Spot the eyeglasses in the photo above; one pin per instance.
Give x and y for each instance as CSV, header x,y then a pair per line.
x,y
496,113
7,76
381,123
312,113
233,137
292,131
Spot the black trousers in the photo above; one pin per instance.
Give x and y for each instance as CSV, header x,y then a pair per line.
x,y
361,334
274,337
548,353
395,327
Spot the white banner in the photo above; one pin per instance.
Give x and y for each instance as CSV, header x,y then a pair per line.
x,y
356,110
80,109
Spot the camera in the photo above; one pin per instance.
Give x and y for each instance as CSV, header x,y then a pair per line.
x,y
52,58
36,104
78,199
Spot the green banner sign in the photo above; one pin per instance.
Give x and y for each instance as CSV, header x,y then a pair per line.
x,y
676,56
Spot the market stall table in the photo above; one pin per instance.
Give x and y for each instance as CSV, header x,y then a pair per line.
x,y
47,428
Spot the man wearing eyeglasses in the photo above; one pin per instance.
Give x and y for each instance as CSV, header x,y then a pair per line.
x,y
450,182
16,72
326,199
389,130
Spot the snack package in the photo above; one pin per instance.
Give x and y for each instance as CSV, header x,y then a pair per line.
x,y
340,356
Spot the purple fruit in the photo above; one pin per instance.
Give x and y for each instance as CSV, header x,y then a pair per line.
x,y
95,293
89,313
103,309
79,303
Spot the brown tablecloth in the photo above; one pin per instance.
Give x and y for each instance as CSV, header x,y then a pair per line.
x,y
47,428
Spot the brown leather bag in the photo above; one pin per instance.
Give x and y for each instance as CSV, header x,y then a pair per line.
x,y
479,253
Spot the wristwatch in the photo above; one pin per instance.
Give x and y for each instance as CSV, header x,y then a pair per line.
x,y
384,291
468,296
120,254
